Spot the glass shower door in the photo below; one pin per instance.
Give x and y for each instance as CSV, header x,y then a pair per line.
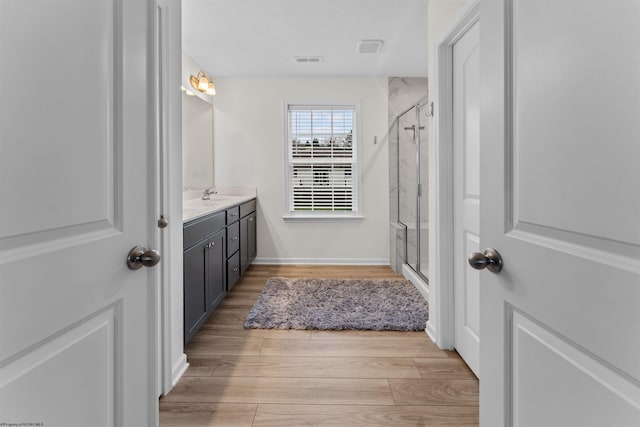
x,y
423,199
412,180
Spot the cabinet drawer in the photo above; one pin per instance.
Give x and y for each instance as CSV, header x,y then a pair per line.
x,y
233,270
199,229
233,238
233,214
247,208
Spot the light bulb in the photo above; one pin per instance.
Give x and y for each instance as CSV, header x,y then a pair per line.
x,y
211,89
203,83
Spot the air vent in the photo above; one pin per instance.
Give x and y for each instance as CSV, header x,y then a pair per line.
x,y
369,46
308,59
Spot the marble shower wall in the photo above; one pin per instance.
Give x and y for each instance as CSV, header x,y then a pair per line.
x,y
403,93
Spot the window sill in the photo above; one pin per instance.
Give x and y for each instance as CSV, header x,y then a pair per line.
x,y
323,218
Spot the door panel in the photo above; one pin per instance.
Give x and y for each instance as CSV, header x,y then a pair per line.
x,y
74,135
549,66
195,288
559,322
466,193
542,358
215,269
36,123
82,356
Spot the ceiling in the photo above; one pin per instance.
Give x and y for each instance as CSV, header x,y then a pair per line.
x,y
260,38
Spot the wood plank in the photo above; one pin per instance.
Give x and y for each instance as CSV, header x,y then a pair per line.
x,y
237,330
206,414
378,335
202,345
201,366
281,390
434,392
352,348
316,367
239,301
449,368
347,415
229,315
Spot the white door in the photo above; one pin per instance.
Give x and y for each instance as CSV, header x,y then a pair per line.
x,y
466,193
560,138
76,325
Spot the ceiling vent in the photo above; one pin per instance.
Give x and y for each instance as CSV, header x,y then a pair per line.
x,y
369,46
308,59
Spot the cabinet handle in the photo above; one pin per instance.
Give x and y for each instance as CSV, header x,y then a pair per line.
x,y
235,269
210,245
251,219
234,238
234,214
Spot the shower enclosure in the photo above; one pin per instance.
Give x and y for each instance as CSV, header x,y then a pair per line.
x,y
412,185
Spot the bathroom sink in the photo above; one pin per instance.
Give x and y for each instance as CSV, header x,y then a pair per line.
x,y
223,199
214,202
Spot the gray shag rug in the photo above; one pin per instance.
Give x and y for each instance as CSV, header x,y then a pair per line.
x,y
339,304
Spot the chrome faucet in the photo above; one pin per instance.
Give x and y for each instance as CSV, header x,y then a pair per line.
x,y
207,192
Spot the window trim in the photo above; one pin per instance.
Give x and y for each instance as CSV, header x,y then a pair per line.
x,y
323,216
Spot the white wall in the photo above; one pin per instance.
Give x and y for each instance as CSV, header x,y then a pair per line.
x,y
250,133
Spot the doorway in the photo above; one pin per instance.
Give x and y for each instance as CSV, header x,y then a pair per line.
x,y
466,194
454,323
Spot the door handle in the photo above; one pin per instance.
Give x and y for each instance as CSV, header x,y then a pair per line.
x,y
489,259
162,222
140,256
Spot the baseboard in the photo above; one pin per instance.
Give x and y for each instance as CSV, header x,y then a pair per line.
x,y
179,368
320,261
431,331
417,281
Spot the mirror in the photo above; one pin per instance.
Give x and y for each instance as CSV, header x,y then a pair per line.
x,y
197,142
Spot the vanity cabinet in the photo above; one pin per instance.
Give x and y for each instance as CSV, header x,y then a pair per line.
x,y
204,270
218,248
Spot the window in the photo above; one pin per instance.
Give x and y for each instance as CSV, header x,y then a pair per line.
x,y
322,168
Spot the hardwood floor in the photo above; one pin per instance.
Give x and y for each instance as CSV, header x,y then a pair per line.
x,y
260,377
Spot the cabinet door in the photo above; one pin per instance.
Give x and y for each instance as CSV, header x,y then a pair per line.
x,y
244,246
251,238
233,270
215,270
195,307
233,238
247,240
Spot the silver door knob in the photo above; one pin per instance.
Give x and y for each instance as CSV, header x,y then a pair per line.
x,y
140,256
490,259
162,222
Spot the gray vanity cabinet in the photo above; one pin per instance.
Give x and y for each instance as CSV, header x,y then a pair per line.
x,y
218,248
204,270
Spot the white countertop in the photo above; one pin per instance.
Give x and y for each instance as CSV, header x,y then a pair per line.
x,y
194,207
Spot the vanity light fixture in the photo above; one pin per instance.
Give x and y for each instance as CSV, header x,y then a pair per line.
x,y
203,83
